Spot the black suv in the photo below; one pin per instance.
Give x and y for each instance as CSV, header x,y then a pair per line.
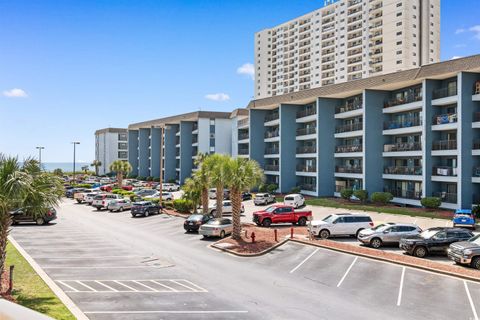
x,y
20,215
434,240
145,208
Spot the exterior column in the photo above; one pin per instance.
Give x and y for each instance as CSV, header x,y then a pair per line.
x,y
427,137
326,146
185,150
143,152
133,151
288,178
156,144
257,130
169,153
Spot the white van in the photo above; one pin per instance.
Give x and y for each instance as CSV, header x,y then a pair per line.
x,y
295,200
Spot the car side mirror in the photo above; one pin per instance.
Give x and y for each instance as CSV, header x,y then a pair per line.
x,y
334,222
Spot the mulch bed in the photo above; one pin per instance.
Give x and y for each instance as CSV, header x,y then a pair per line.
x,y
176,214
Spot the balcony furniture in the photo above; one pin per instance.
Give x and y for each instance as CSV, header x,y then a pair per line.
x,y
445,118
477,87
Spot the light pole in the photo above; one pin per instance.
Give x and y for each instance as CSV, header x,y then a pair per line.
x,y
74,147
40,156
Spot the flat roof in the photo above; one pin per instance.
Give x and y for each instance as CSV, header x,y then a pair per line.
x,y
387,82
191,116
111,130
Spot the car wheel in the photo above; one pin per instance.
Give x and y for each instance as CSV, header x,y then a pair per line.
x,y
213,212
302,221
476,263
222,234
420,252
205,236
358,231
40,221
146,214
134,215
266,223
324,234
376,243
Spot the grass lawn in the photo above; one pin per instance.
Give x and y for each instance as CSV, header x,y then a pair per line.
x,y
30,291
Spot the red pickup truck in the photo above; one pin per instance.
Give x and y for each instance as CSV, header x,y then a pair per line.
x,y
280,213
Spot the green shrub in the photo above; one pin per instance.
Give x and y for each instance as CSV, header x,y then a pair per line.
x,y
168,205
272,188
154,200
362,195
141,178
117,191
182,205
149,179
262,188
171,181
431,202
476,211
382,197
346,194
82,185
131,176
156,179
295,190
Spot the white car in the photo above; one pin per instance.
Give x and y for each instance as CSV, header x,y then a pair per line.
x,y
101,200
147,193
263,198
226,208
89,197
151,196
218,227
170,187
341,224
167,196
294,200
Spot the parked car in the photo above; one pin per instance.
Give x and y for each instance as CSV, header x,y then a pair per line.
x,y
212,194
466,252
464,218
341,224
280,213
100,201
155,195
21,215
193,222
119,205
70,193
433,240
145,208
147,192
294,200
107,188
246,196
219,227
226,208
170,187
263,199
387,233
80,196
89,197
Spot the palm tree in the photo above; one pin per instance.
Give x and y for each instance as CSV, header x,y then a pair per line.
x,y
202,176
192,191
242,175
24,187
121,168
216,167
96,164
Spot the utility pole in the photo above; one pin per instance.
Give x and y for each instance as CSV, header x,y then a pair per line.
x,y
40,156
162,145
74,146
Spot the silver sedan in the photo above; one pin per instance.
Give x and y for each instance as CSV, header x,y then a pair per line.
x,y
388,233
218,227
119,205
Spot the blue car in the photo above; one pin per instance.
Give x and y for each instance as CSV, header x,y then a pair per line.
x,y
464,218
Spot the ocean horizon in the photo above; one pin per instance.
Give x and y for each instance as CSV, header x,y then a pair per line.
x,y
65,166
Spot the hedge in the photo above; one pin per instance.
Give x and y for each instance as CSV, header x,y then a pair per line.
x,y
182,205
272,188
382,197
346,194
361,194
431,202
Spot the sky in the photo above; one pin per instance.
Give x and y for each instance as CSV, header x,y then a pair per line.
x,y
68,68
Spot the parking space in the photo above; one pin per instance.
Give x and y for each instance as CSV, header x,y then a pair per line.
x,y
402,290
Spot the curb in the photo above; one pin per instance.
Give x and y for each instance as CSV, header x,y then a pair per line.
x,y
249,255
77,313
383,259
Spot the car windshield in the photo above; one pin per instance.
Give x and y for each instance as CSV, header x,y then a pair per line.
x,y
196,217
475,239
214,222
427,234
329,219
270,209
382,226
288,198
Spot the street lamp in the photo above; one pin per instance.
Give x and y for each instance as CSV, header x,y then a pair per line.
x,y
40,155
74,145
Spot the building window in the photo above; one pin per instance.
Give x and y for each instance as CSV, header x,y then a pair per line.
x,y
122,137
122,155
122,146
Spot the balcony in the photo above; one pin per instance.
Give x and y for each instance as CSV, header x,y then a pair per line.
x,y
445,119
272,167
406,194
243,122
306,112
306,131
349,148
399,101
194,139
308,187
476,144
272,151
444,171
402,147
349,127
194,127
413,122
444,92
306,149
444,145
243,151
305,168
446,197
349,107
272,117
417,171
348,169
243,135
272,134
476,117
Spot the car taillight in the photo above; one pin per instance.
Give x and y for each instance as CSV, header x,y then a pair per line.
x,y
216,229
371,224
103,202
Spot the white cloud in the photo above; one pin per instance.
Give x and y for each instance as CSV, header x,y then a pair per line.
x,y
15,93
460,30
476,31
460,45
455,57
248,69
218,97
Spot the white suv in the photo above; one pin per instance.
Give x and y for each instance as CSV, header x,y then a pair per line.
x,y
295,200
341,224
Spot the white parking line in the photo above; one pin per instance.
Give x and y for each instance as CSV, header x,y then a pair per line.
x,y
183,285
399,300
88,287
66,285
475,315
108,287
168,312
122,284
194,285
346,273
164,285
141,284
305,260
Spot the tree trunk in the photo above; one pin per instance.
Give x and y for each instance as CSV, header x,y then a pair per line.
x,y
120,179
236,198
5,222
96,170
205,200
219,201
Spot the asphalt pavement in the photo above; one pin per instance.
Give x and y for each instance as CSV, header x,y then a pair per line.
x,y
114,266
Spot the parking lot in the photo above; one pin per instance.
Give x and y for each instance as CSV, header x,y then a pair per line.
x,y
114,266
